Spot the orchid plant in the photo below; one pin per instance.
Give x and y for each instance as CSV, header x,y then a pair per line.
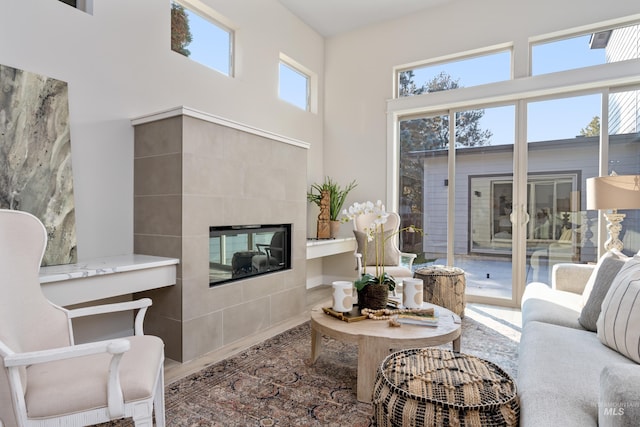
x,y
375,234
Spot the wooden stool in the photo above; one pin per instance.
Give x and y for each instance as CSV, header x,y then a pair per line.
x,y
444,286
435,387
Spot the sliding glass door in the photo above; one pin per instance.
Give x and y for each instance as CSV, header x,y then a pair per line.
x,y
562,151
624,154
461,197
506,206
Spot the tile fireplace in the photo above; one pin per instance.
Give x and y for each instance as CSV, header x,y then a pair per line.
x,y
192,171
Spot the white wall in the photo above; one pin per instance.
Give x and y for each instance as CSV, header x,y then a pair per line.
x,y
359,69
119,65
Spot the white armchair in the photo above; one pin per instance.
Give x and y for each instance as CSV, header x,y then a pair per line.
x,y
393,257
47,380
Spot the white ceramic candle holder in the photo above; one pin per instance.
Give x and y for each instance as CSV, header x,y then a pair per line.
x,y
412,290
342,296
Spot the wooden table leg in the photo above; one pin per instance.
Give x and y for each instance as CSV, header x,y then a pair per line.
x,y
371,353
316,345
456,344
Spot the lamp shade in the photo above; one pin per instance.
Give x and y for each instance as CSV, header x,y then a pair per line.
x,y
613,192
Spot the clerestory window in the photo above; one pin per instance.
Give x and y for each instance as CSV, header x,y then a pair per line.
x,y
463,70
198,35
572,51
296,84
83,5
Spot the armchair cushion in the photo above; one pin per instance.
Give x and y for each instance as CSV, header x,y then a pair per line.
x,y
73,385
619,321
599,283
391,254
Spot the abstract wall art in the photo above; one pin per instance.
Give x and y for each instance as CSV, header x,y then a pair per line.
x,y
35,157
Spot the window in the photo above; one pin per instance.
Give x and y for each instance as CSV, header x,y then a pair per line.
x,y
452,74
84,5
624,154
196,34
510,206
549,202
294,84
583,50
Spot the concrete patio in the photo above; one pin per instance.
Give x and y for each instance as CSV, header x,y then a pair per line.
x,y
488,276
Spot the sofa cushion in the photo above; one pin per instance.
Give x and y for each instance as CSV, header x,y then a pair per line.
x,y
543,304
619,321
619,396
599,283
559,375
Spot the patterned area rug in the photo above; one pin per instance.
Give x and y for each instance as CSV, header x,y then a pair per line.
x,y
273,383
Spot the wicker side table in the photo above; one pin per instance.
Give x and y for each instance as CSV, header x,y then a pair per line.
x,y
444,286
436,387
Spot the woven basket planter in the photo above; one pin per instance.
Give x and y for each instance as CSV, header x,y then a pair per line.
x,y
434,387
374,296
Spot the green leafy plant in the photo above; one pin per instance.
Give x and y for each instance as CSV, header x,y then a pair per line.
x,y
337,195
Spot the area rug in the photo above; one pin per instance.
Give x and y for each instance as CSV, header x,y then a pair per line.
x,y
273,383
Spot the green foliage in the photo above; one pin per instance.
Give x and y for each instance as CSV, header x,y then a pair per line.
x,y
432,133
593,128
338,195
370,279
180,31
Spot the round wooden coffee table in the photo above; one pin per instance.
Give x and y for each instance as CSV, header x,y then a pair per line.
x,y
376,339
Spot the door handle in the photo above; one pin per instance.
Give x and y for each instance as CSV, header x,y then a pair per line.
x,y
525,217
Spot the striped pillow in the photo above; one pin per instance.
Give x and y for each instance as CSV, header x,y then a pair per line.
x,y
619,320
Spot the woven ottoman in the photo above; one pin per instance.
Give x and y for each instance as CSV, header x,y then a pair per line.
x,y
444,286
437,387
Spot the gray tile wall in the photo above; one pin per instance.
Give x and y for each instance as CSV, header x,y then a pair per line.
x,y
190,174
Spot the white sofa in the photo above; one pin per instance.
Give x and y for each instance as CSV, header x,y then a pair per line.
x,y
566,375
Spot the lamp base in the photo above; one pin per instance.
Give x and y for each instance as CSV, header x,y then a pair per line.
x,y
614,219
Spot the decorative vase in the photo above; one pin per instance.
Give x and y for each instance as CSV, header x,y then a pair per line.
x,y
374,296
334,228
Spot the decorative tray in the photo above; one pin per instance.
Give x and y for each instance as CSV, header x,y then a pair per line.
x,y
354,315
350,316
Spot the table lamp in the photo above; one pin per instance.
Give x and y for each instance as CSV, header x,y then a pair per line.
x,y
612,193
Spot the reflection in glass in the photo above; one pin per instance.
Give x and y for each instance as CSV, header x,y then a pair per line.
x,y
238,252
624,155
562,149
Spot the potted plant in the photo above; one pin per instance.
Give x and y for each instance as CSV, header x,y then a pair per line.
x,y
337,197
374,288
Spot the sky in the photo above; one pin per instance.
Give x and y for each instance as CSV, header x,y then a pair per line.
x,y
547,120
209,40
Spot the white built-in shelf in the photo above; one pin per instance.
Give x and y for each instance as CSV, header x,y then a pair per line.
x,y
106,277
317,248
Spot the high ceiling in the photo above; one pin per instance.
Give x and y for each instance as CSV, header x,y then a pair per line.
x,y
332,17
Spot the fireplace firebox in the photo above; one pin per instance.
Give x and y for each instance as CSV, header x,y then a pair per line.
x,y
241,251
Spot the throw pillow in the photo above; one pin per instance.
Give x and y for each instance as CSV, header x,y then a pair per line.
x,y
391,255
597,287
592,279
619,321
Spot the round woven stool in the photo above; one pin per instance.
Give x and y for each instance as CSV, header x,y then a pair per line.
x,y
436,387
444,286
